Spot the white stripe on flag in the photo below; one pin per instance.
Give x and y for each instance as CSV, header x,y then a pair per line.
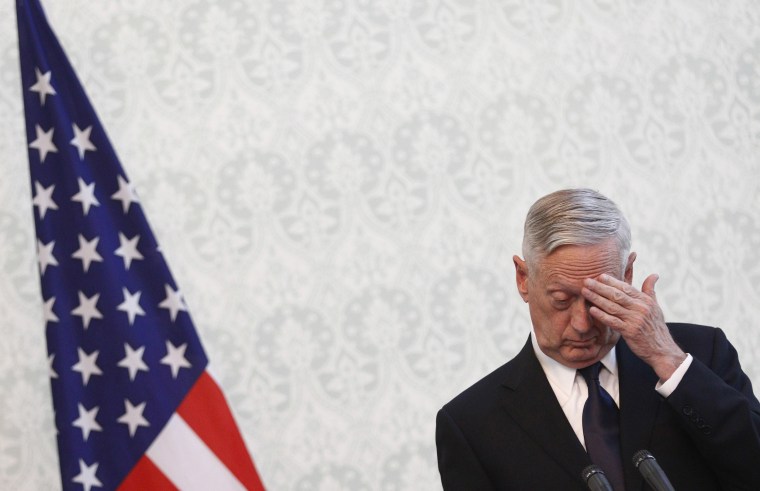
x,y
186,460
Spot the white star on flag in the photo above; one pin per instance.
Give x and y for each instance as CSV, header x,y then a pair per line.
x,y
128,249
126,194
175,358
86,421
51,371
133,360
44,142
131,305
87,252
47,310
45,255
133,416
86,476
87,309
43,198
81,140
42,86
86,196
87,365
173,302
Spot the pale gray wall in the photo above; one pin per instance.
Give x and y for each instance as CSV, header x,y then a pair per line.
x,y
339,187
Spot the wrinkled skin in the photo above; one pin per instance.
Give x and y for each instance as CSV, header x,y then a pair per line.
x,y
581,301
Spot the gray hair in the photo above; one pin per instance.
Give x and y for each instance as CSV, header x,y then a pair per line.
x,y
574,217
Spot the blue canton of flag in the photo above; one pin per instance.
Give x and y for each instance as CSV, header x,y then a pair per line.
x,y
122,349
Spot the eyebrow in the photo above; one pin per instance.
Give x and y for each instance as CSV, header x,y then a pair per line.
x,y
564,289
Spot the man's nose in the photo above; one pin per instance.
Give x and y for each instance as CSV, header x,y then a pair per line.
x,y
581,319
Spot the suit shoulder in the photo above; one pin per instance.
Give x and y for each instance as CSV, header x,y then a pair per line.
x,y
481,394
703,342
686,332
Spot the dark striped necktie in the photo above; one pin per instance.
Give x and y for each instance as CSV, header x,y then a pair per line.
x,y
601,428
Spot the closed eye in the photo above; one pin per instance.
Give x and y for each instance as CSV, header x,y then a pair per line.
x,y
561,303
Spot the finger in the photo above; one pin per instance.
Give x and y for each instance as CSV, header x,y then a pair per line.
x,y
610,280
648,285
615,290
606,305
607,319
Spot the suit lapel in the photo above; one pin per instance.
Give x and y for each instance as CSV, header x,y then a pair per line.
x,y
639,405
530,401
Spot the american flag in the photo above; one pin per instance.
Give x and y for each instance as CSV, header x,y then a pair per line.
x,y
135,407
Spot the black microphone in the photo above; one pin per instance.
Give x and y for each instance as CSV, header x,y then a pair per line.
x,y
651,470
595,479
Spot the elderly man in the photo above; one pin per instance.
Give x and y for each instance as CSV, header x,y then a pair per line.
x,y
601,376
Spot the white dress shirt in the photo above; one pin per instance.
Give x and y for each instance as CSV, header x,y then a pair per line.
x,y
571,390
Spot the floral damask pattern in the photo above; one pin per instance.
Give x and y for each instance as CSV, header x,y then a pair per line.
x,y
339,187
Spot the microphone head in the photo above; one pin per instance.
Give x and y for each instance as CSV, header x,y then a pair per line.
x,y
594,478
641,456
589,471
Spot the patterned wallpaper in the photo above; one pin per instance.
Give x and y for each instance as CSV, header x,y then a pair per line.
x,y
339,187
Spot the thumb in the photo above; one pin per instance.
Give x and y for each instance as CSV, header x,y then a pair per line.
x,y
648,285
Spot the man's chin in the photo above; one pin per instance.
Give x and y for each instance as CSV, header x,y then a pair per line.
x,y
582,356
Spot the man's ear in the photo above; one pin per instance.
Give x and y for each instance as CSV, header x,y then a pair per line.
x,y
628,274
521,276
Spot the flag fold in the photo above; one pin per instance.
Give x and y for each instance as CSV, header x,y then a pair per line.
x,y
134,404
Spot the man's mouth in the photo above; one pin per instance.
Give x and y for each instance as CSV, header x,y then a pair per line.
x,y
580,343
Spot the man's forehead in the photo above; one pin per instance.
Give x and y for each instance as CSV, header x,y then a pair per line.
x,y
564,269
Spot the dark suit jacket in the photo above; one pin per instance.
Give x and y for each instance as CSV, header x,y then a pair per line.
x,y
508,431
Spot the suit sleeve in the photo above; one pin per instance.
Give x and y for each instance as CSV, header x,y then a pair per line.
x,y
457,463
721,414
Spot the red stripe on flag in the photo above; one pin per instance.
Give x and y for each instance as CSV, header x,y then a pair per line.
x,y
206,412
145,475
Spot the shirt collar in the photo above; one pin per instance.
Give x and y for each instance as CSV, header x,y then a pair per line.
x,y
561,377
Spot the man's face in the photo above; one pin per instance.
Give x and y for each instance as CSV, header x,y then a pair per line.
x,y
564,329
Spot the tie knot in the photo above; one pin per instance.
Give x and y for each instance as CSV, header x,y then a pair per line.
x,y
591,372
